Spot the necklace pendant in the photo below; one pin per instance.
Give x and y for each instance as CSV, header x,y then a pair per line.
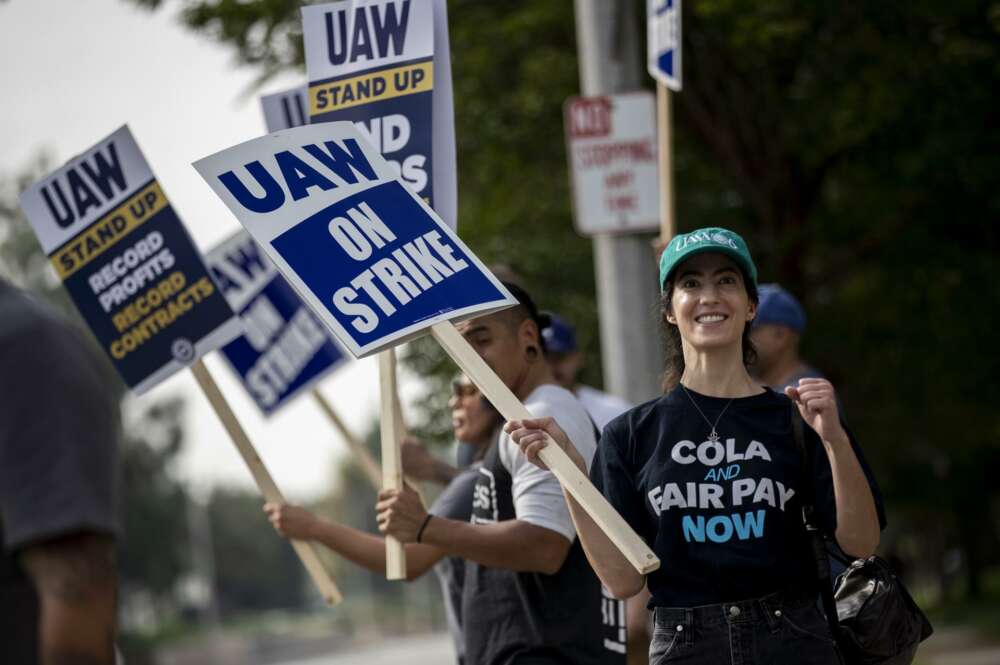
x,y
713,436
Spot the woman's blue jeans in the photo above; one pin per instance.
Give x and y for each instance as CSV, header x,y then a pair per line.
x,y
779,629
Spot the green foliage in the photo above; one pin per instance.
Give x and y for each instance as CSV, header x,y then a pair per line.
x,y
154,545
21,259
375,601
255,570
264,33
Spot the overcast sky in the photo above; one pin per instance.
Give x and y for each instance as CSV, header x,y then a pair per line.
x,y
74,71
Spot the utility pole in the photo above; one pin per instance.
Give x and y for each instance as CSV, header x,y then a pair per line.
x,y
625,267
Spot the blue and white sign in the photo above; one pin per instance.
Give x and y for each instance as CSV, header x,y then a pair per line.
x,y
286,109
664,40
284,349
385,65
368,256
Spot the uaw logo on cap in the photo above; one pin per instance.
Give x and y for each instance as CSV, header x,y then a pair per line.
x,y
704,236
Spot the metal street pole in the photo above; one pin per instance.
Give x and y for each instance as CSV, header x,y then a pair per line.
x,y
627,292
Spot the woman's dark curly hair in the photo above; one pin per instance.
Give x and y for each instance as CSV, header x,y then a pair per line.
x,y
673,351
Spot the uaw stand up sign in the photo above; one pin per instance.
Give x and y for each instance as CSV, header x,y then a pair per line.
x,y
377,265
128,262
140,284
385,65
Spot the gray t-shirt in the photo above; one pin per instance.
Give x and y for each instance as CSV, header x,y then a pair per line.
x,y
57,449
455,503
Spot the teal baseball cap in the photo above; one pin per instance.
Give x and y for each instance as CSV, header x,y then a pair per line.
x,y
713,239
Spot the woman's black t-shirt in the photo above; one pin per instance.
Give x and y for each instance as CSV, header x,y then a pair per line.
x,y
725,516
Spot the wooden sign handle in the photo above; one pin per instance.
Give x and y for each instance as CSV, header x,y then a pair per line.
x,y
392,464
368,464
668,226
402,431
265,483
569,476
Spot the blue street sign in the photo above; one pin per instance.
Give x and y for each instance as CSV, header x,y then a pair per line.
x,y
664,40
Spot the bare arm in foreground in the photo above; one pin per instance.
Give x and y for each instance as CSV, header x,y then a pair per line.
x,y
75,579
611,566
364,549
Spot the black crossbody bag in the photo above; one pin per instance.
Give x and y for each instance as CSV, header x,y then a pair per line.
x,y
872,617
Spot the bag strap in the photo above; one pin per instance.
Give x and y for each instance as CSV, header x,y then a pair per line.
x,y
820,558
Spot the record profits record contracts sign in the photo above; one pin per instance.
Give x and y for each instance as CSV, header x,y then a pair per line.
x,y
128,263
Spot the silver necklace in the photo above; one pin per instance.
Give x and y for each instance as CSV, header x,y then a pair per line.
x,y
713,436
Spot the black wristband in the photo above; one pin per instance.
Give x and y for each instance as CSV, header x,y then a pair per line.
x,y
423,526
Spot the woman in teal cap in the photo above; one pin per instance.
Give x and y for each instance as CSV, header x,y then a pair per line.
x,y
710,475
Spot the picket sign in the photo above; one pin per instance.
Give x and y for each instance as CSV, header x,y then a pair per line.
x,y
265,483
392,465
569,475
393,79
124,256
368,464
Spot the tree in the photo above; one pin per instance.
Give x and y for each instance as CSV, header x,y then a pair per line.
x,y
255,569
21,258
153,551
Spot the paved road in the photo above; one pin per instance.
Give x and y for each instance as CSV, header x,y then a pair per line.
x,y
958,646
947,646
433,649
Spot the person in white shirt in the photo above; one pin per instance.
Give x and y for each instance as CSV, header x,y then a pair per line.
x,y
530,596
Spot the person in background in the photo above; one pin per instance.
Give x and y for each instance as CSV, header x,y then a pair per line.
x,y
776,334
566,361
59,426
530,598
420,464
477,423
564,357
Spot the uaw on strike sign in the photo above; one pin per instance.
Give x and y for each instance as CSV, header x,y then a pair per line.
x,y
284,349
385,65
368,256
128,263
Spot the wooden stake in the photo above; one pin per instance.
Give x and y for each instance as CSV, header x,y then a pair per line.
x,y
368,464
668,226
397,413
392,465
265,483
569,476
